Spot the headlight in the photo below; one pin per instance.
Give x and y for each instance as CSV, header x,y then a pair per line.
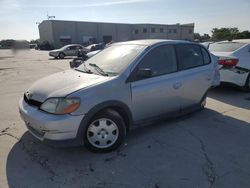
x,y
60,105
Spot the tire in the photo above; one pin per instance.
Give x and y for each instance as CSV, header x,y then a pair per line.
x,y
203,102
61,55
105,132
247,85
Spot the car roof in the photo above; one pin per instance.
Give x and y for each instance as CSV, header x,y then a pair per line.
x,y
246,41
73,45
151,42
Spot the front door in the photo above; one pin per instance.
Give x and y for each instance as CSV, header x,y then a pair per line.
x,y
159,93
71,51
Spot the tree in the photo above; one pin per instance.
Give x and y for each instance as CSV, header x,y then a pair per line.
x,y
201,38
246,34
229,34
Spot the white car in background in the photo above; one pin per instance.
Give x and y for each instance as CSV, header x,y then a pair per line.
x,y
68,50
234,61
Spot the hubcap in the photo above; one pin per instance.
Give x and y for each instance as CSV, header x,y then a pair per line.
x,y
102,133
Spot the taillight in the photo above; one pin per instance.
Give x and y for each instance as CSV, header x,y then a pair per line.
x,y
228,62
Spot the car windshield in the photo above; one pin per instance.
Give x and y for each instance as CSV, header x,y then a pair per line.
x,y
225,46
113,59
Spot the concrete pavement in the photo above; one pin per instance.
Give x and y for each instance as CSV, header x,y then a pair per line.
x,y
201,150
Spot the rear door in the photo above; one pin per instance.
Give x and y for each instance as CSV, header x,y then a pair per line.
x,y
158,94
196,71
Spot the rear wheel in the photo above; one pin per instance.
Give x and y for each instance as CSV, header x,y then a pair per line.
x,y
203,101
105,132
61,55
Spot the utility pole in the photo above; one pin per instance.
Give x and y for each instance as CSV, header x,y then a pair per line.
x,y
50,17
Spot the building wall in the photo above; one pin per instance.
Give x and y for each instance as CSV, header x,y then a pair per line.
x,y
46,32
187,32
86,30
157,31
107,29
60,33
123,32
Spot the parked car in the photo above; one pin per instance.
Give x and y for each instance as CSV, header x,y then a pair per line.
x,y
207,44
68,50
94,47
234,61
121,87
81,58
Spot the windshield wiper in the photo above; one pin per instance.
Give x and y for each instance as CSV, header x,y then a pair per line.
x,y
97,68
85,69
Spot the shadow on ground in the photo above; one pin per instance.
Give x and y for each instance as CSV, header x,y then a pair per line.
x,y
205,149
58,59
231,95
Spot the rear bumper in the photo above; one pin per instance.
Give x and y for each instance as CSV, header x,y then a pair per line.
x,y
57,129
234,76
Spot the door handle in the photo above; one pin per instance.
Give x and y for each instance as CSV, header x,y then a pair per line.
x,y
177,85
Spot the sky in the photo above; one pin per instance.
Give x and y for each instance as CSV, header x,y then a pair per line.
x,y
18,18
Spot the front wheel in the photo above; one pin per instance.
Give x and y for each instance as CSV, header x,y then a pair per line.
x,y
105,132
61,55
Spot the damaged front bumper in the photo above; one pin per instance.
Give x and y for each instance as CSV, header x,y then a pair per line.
x,y
48,127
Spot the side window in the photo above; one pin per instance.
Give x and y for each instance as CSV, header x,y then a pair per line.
x,y
72,47
206,56
161,60
189,56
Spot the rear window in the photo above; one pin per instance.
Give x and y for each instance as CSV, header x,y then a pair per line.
x,y
206,56
225,46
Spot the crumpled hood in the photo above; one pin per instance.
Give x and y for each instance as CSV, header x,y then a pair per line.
x,y
63,83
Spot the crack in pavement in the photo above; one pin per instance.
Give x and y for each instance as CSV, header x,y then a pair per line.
x,y
33,155
208,168
5,132
40,160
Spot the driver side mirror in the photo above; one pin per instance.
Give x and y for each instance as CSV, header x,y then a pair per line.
x,y
144,73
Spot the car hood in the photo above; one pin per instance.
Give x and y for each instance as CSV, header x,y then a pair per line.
x,y
57,50
62,84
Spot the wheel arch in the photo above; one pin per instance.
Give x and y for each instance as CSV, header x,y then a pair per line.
x,y
117,106
61,53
